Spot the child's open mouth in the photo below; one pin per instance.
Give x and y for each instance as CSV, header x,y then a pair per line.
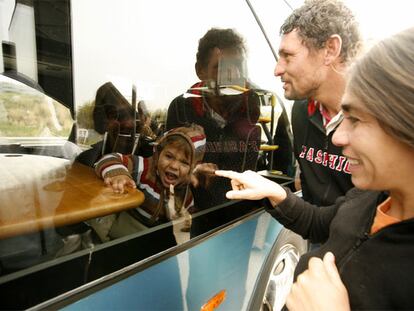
x,y
170,178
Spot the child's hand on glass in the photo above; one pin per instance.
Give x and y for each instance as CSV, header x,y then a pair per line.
x,y
119,182
202,174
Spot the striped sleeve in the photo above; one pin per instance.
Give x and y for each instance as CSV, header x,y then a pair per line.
x,y
114,164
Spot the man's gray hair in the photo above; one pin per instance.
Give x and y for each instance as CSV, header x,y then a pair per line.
x,y
317,20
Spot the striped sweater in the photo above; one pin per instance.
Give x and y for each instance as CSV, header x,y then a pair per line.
x,y
154,210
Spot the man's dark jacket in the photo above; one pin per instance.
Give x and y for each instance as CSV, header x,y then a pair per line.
x,y
324,174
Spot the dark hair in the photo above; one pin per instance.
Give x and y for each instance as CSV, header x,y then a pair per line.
x,y
110,105
317,20
218,38
383,81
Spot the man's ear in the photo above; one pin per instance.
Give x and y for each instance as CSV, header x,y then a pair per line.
x,y
201,73
333,48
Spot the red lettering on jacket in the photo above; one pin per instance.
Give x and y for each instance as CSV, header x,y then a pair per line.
x,y
302,154
346,168
340,163
309,155
332,160
325,159
319,157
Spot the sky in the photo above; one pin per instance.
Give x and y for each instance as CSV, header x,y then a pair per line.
x,y
377,18
382,18
96,34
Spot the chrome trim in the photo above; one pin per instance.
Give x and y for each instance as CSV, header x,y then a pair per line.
x,y
281,278
109,279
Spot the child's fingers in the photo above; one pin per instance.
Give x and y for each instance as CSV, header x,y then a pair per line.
x,y
131,183
205,168
209,169
118,186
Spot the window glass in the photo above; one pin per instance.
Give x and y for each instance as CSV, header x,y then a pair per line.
x,y
85,79
29,113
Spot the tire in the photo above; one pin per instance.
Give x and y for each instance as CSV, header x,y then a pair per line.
x,y
276,278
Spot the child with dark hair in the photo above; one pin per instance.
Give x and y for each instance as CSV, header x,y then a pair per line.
x,y
164,178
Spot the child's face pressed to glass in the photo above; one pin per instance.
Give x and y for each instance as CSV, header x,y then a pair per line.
x,y
173,166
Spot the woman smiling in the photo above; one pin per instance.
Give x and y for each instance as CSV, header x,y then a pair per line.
x,y
365,261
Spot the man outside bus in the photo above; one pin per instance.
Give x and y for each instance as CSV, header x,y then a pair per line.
x,y
319,40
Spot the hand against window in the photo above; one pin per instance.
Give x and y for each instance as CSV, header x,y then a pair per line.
x,y
119,182
202,174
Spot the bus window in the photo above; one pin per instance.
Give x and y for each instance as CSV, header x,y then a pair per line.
x,y
85,79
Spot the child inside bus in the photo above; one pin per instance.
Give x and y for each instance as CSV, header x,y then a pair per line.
x,y
164,178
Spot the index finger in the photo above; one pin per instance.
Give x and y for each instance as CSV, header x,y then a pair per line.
x,y
228,174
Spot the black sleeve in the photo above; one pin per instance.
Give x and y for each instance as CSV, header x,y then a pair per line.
x,y
303,185
175,113
90,156
298,117
310,221
283,157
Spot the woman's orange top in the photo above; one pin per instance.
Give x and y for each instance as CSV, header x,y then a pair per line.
x,y
382,219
